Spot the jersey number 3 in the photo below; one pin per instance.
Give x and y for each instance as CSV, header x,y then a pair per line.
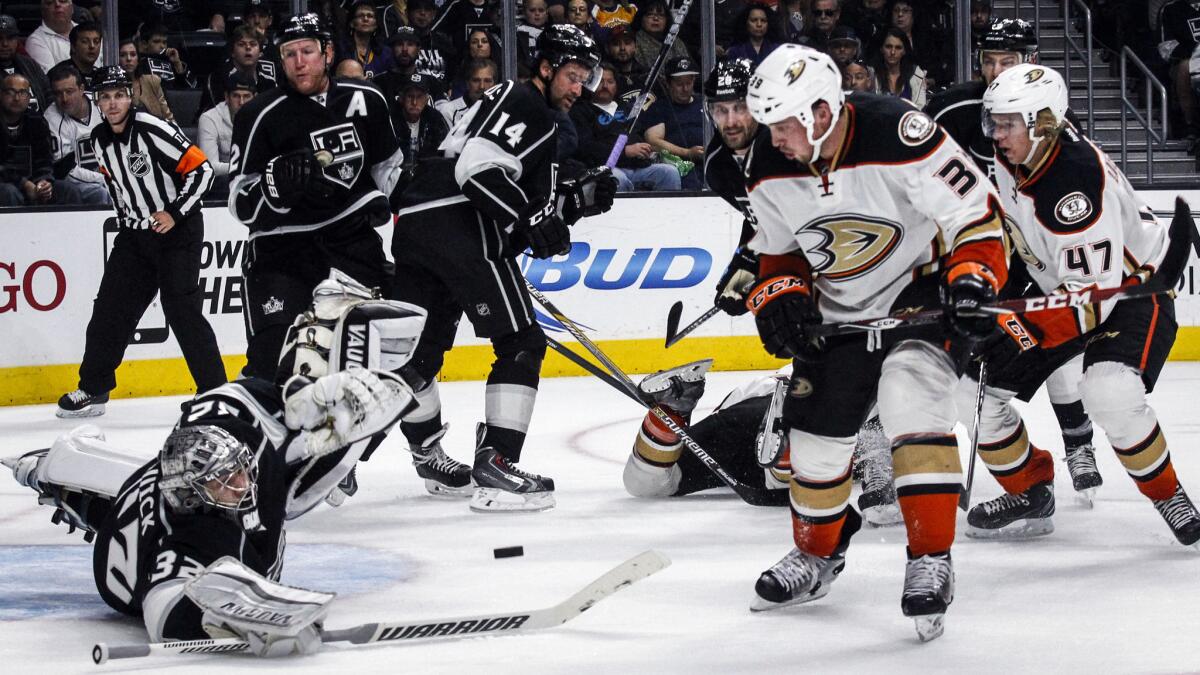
x,y
513,133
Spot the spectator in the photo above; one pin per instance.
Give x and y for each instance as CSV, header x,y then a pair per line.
x,y
13,63
895,72
363,43
420,128
395,16
406,48
27,161
51,42
725,20
480,47
480,76
350,69
177,15
86,44
622,53
71,119
926,50
147,89
870,19
793,17
258,16
437,50
826,15
530,28
457,18
858,76
757,35
981,20
215,133
651,24
1179,41
608,14
579,14
246,58
675,124
157,57
843,45
599,122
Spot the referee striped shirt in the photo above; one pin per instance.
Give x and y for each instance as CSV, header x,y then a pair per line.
x,y
150,167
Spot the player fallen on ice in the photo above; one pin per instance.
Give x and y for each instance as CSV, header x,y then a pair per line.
x,y
192,540
865,207
1077,223
732,434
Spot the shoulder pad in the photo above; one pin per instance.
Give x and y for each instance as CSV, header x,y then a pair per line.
x,y
887,130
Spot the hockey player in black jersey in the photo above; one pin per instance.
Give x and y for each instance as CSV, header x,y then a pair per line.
x,y
959,109
200,527
463,220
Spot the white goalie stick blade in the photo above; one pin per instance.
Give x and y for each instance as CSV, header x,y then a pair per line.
x,y
499,623
773,434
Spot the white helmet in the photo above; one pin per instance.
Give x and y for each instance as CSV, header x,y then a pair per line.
x,y
789,82
1026,89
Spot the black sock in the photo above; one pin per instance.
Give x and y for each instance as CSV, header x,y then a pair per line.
x,y
1074,422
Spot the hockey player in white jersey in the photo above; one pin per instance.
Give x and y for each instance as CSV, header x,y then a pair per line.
x,y
1076,223
865,207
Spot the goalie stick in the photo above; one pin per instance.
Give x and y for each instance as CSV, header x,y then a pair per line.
x,y
502,623
673,316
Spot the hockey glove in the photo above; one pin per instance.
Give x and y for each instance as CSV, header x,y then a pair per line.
x,y
966,287
1013,338
291,176
546,234
785,313
736,282
589,195
341,408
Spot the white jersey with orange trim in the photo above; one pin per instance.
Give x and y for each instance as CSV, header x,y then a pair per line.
x,y
1076,222
898,196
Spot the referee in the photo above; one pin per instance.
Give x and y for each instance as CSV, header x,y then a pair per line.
x,y
156,178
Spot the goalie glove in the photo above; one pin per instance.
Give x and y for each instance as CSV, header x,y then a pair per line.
x,y
589,195
292,175
341,408
274,619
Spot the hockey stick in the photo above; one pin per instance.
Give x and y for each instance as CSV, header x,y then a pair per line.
x,y
749,494
672,335
651,78
1183,240
508,623
964,496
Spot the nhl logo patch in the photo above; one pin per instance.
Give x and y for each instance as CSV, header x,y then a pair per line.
x,y
916,127
139,164
1073,208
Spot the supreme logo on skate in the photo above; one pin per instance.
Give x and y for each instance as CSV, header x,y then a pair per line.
x,y
466,627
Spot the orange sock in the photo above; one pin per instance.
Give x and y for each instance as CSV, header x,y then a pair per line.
x,y
928,477
656,444
819,512
1016,463
1149,464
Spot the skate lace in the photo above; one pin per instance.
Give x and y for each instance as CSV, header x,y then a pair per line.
x,y
795,570
1004,502
926,574
876,478
1082,460
437,459
511,468
1177,510
78,396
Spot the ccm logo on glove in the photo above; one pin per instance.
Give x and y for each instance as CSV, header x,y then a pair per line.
x,y
774,288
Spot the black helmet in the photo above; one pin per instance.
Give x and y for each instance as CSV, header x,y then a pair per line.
x,y
301,27
1009,35
563,43
111,77
728,81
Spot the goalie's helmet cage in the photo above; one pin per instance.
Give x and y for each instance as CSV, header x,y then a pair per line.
x,y
1027,90
193,458
789,82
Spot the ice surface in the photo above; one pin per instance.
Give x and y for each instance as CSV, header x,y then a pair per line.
x,y
1109,591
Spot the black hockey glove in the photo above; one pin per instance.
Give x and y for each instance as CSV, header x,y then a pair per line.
x,y
589,195
546,234
965,288
736,282
1012,338
785,314
292,175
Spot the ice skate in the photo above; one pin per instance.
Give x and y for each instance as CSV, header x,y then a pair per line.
x,y
1014,516
500,486
928,591
1181,515
1081,461
444,476
344,490
79,403
24,467
797,578
679,388
878,499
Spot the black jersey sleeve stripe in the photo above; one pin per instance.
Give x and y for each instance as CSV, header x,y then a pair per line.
x,y
196,184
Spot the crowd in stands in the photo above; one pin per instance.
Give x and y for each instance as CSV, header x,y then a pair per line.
x,y
197,62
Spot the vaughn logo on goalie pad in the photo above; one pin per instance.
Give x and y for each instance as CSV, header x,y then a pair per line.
x,y
257,614
468,626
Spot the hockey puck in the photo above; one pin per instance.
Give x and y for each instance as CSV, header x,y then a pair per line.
x,y
324,157
508,552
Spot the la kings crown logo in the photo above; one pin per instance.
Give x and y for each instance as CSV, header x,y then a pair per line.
x,y
348,157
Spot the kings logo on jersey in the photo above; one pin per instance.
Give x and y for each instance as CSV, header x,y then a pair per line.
x,y
850,245
348,157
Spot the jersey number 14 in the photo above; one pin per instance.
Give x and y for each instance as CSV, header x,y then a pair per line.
x,y
513,133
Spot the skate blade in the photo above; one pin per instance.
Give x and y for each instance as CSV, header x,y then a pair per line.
x,y
443,491
94,410
930,626
885,515
1020,529
761,604
492,500
336,498
1086,498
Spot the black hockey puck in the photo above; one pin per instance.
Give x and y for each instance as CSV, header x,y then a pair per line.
x,y
508,551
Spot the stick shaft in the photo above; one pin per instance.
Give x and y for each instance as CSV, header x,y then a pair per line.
x,y
712,311
964,497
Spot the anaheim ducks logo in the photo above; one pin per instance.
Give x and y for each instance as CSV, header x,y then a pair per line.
x,y
1034,75
795,70
1021,246
851,245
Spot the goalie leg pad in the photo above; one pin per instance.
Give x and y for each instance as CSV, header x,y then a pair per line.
x,y
82,460
275,619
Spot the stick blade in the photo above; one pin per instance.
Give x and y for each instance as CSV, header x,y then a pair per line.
x,y
635,569
964,499
674,316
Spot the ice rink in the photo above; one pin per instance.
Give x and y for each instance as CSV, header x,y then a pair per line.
x,y
1110,591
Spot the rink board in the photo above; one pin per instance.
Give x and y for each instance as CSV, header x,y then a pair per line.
x,y
625,270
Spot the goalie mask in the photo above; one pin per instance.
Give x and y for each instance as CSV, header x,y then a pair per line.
x,y
789,82
210,466
348,325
